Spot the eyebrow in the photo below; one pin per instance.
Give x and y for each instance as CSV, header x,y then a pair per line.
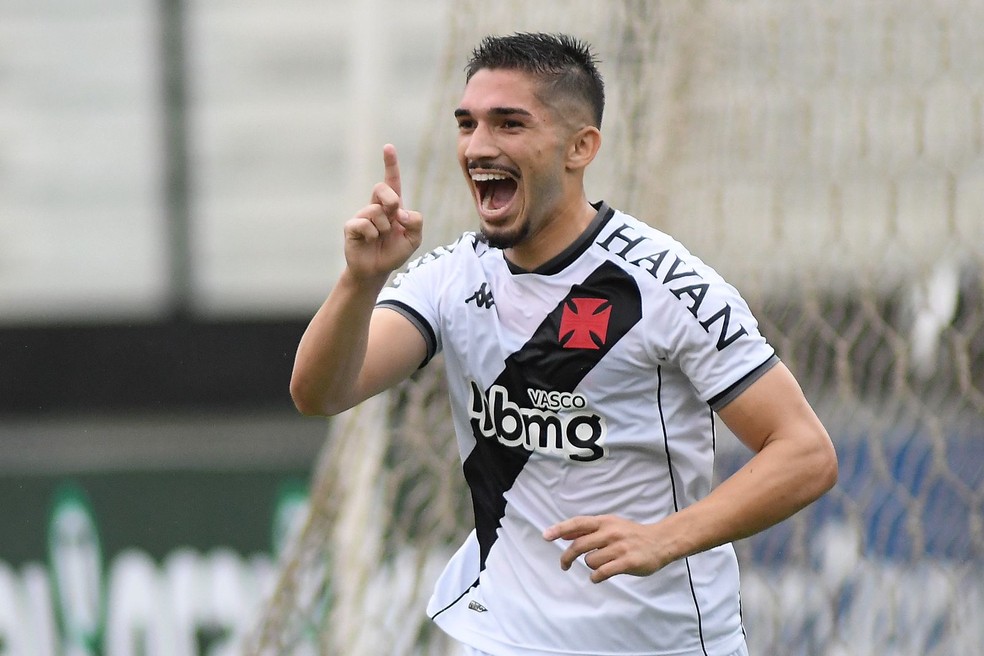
x,y
496,111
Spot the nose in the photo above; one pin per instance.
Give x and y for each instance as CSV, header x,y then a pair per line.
x,y
480,143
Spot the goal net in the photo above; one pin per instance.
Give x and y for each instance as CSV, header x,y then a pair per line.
x,y
827,157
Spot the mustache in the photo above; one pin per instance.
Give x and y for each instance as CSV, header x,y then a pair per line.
x,y
488,165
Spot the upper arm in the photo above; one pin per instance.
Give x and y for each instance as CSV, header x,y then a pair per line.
x,y
774,407
395,349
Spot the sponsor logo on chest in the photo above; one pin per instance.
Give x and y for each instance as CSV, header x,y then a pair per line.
x,y
558,424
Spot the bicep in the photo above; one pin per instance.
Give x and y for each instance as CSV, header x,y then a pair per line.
x,y
772,407
395,349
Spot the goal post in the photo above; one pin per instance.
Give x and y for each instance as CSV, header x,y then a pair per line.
x,y
827,157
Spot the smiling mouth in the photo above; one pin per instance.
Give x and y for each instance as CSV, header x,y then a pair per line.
x,y
495,190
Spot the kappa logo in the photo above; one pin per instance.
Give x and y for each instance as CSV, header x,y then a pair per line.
x,y
584,324
477,607
482,297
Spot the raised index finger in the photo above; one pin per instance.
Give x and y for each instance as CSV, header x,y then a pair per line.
x,y
391,175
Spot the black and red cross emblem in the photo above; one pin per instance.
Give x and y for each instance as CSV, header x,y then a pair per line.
x,y
584,323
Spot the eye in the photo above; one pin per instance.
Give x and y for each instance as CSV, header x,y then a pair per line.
x,y
512,124
466,124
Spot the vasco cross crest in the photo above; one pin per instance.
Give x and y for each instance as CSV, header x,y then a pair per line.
x,y
584,323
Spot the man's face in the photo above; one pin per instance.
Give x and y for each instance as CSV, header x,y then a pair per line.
x,y
511,148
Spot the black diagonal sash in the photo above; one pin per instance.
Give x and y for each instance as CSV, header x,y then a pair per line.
x,y
566,346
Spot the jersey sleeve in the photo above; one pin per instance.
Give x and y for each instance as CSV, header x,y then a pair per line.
x,y
415,293
713,337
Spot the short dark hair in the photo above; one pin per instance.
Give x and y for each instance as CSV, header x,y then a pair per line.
x,y
565,64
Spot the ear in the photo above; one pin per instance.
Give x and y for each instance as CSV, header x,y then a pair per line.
x,y
583,147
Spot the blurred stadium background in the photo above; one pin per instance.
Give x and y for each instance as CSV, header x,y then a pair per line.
x,y
171,178
173,175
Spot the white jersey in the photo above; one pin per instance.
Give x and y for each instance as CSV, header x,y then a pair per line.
x,y
585,387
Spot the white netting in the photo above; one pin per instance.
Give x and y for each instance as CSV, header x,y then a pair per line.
x,y
828,158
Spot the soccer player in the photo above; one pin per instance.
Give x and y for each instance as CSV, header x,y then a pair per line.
x,y
588,357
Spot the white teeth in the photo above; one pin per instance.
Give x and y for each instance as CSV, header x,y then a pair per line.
x,y
488,177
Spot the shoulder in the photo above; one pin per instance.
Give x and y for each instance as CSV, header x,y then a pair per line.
x,y
651,255
468,242
441,257
628,238
683,291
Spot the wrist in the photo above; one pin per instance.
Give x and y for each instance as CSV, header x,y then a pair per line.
x,y
363,283
680,536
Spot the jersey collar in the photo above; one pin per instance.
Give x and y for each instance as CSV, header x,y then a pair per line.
x,y
559,262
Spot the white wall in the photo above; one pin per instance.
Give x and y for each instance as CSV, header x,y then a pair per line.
x,y
290,104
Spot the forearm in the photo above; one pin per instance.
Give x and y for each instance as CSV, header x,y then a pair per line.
x,y
781,479
794,463
332,350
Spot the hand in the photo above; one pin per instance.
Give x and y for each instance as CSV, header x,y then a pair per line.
x,y
383,235
610,545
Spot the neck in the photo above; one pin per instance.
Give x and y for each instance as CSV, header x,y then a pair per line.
x,y
564,226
